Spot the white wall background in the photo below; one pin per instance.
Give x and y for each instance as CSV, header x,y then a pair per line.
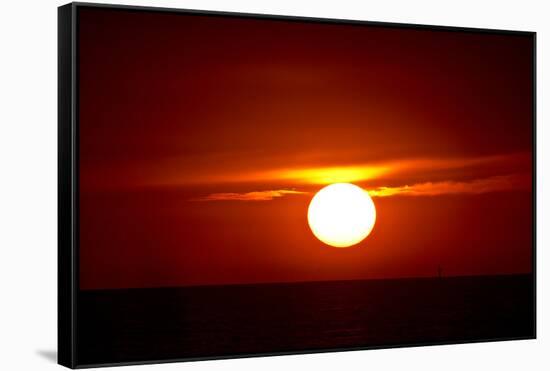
x,y
28,182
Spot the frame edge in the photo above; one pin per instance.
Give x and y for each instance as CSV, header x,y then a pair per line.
x,y
66,355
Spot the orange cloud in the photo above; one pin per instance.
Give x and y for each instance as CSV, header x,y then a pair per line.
x,y
328,175
250,196
492,184
380,172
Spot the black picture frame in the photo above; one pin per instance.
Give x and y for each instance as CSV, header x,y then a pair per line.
x,y
68,172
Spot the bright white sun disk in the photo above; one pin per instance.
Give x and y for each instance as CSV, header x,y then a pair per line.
x,y
341,214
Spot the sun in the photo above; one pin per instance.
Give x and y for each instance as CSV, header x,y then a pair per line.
x,y
341,214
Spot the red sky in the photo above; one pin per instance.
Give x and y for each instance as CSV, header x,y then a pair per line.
x,y
203,139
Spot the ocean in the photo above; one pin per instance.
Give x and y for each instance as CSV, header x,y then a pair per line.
x,y
134,325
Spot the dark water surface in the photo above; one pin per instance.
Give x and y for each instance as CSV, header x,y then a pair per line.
x,y
153,324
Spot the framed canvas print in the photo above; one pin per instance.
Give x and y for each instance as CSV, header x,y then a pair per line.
x,y
235,185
